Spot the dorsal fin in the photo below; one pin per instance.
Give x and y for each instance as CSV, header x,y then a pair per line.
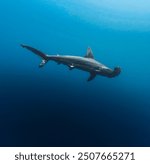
x,y
89,53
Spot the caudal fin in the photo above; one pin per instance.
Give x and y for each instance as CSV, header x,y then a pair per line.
x,y
37,52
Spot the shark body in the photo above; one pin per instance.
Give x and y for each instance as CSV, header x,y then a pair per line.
x,y
86,63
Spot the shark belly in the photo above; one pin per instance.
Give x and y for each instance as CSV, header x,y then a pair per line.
x,y
81,64
85,67
74,62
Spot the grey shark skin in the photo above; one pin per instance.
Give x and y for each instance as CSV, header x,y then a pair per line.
x,y
86,63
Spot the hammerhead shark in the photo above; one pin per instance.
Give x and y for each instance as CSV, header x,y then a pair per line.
x,y
86,63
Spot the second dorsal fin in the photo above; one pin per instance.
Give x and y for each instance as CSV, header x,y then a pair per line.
x,y
89,53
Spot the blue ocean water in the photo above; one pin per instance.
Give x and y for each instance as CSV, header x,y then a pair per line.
x,y
53,106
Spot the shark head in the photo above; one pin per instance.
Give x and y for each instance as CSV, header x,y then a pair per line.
x,y
105,71
116,72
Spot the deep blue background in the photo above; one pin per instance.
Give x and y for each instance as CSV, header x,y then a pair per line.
x,y
53,106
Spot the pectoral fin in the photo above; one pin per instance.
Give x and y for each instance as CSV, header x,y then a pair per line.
x,y
92,76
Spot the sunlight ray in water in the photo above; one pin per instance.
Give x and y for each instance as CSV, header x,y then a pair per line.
x,y
114,14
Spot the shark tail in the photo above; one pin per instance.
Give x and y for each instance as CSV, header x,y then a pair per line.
x,y
45,57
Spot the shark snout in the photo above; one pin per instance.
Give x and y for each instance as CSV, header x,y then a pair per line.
x,y
117,71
